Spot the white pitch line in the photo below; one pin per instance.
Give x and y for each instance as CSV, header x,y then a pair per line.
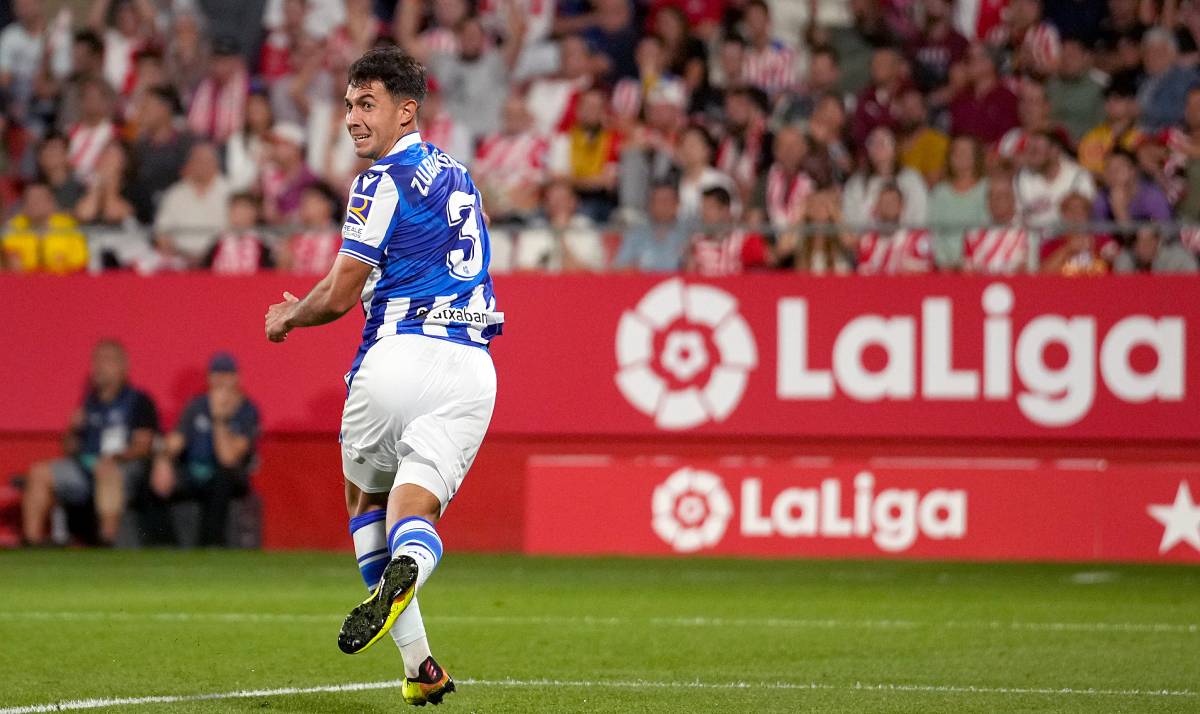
x,y
523,620
76,704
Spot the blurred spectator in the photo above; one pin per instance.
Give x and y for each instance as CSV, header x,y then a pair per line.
x,y
106,453
320,16
194,211
855,42
551,99
830,161
697,173
209,456
284,176
357,34
934,50
922,147
23,45
281,54
54,168
877,105
41,238
629,93
823,77
1126,196
150,72
657,246
1002,247
823,248
247,148
1163,91
126,26
1033,45
685,54
881,167
87,63
608,28
1149,253
106,198
891,249
783,192
510,165
218,106
159,152
240,250
1034,111
1118,130
649,152
720,247
474,80
1077,251
1185,156
959,202
983,108
564,241
1046,180
312,250
94,129
587,155
769,65
745,145
188,53
1076,93
1155,163
439,37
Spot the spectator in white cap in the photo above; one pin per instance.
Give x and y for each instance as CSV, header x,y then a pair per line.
x,y
285,176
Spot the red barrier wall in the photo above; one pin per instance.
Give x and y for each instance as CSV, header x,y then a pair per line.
x,y
574,375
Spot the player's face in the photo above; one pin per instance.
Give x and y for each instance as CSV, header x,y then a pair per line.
x,y
375,120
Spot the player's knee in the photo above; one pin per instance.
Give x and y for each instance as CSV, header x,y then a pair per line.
x,y
359,501
40,475
409,500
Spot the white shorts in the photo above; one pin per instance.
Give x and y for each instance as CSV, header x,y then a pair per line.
x,y
417,396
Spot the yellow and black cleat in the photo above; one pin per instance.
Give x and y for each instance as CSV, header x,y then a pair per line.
x,y
372,619
430,687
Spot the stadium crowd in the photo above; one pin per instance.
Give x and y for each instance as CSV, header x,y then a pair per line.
x,y
714,136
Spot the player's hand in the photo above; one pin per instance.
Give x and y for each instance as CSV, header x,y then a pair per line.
x,y
277,318
162,478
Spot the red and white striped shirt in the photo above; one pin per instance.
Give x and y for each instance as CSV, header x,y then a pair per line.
x,y
627,96
85,144
238,254
976,19
729,255
313,251
1042,42
218,110
906,250
739,157
439,41
999,250
510,160
786,196
771,69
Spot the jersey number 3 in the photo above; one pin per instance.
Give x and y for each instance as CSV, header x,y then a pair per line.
x,y
465,261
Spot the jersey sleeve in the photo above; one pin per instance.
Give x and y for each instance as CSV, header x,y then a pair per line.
x,y
370,215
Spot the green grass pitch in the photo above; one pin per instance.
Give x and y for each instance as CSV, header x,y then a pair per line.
x,y
603,635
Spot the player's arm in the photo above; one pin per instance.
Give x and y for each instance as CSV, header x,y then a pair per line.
x,y
333,297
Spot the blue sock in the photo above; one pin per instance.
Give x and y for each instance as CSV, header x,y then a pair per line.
x,y
370,545
417,538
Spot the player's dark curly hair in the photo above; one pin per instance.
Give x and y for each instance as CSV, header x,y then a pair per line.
x,y
396,70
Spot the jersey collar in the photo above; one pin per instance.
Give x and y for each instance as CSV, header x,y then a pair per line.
x,y
405,141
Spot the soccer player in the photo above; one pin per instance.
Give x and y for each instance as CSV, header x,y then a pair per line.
x,y
421,389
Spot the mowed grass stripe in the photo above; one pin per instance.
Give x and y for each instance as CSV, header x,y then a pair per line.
x,y
79,704
584,620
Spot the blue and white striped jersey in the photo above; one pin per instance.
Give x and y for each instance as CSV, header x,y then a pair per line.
x,y
417,218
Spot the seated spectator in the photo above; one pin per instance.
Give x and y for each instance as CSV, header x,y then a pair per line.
x,y
564,241
922,147
629,93
823,248
442,128
1077,250
149,72
218,107
892,250
1033,108
823,77
959,202
1001,247
935,48
611,28
781,194
209,456
1118,130
881,166
188,53
106,199
683,50
159,152
194,210
510,165
54,169
285,176
1032,44
93,131
1149,253
984,108
1163,90
697,173
745,148
1076,94
829,159
87,63
439,37
648,152
1126,195
586,155
106,453
551,99
657,246
126,28
41,238
1184,146
247,148
312,250
720,247
769,65
1048,177
240,250
877,105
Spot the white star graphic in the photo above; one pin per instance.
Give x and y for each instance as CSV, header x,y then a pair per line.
x,y
1181,520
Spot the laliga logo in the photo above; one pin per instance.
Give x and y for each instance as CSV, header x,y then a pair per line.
x,y
665,355
691,509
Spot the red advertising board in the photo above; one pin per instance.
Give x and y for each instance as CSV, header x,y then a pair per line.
x,y
942,357
1026,510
